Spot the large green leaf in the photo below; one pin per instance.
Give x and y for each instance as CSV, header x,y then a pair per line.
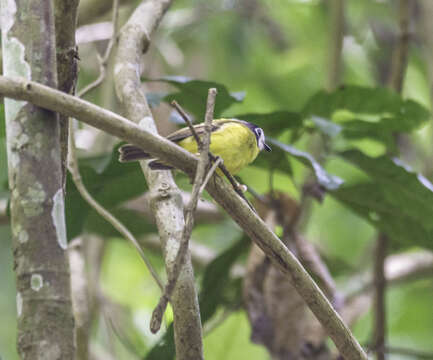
x,y
192,95
110,184
396,200
367,112
328,181
216,283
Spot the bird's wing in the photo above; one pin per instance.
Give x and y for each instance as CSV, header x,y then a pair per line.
x,y
199,129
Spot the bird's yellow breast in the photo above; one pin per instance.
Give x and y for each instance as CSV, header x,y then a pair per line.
x,y
233,142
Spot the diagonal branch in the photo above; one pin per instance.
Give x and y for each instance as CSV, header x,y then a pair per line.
x,y
222,192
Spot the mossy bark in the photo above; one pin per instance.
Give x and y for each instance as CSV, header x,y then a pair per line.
x,y
45,321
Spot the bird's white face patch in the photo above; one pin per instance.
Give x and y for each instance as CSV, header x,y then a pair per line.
x,y
260,135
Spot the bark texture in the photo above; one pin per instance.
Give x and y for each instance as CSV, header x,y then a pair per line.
x,y
65,14
165,199
45,321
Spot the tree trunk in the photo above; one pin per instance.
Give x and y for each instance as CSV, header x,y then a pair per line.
x,y
45,321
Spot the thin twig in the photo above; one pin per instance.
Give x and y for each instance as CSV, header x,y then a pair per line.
x,y
417,354
401,51
398,269
76,177
336,43
203,146
209,174
188,121
379,296
103,61
395,81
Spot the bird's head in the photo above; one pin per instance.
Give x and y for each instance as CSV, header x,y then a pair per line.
x,y
260,136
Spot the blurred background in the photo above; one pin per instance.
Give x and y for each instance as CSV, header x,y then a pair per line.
x,y
308,72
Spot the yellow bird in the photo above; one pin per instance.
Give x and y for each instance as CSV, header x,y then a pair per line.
x,y
237,142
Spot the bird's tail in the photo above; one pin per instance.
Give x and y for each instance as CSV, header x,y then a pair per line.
x,y
130,152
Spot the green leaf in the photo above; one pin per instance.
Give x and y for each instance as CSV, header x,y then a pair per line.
x,y
165,348
328,181
396,200
112,184
367,112
192,95
216,279
275,122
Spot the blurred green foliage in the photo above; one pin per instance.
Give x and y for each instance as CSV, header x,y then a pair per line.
x,y
277,82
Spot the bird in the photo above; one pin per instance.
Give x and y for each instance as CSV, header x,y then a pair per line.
x,y
237,142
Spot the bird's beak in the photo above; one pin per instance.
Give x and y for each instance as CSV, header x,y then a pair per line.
x,y
267,147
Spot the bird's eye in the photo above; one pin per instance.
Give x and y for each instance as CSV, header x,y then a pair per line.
x,y
258,131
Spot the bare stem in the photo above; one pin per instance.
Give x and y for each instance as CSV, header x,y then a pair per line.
x,y
103,61
76,177
379,297
398,70
188,121
401,51
337,32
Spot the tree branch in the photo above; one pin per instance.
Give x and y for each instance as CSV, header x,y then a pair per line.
x,y
199,181
104,213
207,211
222,192
401,51
395,82
166,203
379,296
80,298
103,61
337,34
65,13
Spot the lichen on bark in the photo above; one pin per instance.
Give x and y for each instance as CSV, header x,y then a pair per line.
x,y
45,322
